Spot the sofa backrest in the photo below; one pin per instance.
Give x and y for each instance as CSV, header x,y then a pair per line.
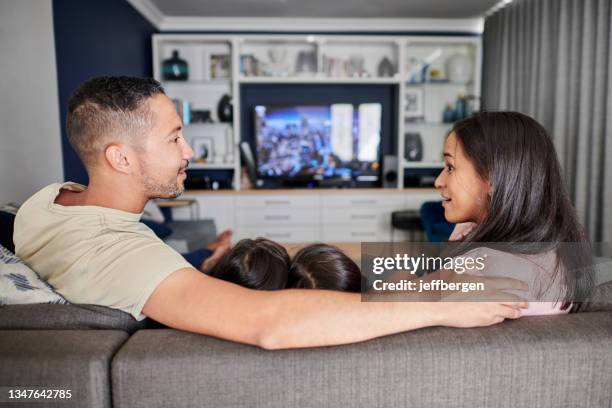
x,y
69,317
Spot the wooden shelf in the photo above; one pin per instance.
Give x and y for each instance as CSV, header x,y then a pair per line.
x,y
324,191
189,82
315,79
423,165
441,83
175,203
410,122
210,166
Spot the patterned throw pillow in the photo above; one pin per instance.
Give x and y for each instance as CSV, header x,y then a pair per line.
x,y
21,285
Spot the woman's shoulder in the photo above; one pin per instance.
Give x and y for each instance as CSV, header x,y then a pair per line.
x,y
498,262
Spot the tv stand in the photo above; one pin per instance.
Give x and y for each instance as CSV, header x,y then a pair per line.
x,y
335,183
307,215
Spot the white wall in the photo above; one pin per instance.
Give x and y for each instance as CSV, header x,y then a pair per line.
x,y
30,146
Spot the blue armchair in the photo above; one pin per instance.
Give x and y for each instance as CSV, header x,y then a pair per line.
x,y
435,225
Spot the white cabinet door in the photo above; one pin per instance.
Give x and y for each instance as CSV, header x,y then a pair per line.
x,y
348,233
218,207
278,201
281,234
287,216
370,200
414,201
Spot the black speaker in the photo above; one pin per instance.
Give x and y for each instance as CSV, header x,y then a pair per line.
x,y
413,146
249,162
389,171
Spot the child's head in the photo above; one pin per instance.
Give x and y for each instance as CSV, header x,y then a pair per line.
x,y
254,263
321,266
502,173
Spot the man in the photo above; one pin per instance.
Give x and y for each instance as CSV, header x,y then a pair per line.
x,y
89,244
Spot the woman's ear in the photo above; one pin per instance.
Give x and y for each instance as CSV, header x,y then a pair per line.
x,y
117,158
489,189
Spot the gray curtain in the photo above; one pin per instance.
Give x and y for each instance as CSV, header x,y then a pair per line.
x,y
551,59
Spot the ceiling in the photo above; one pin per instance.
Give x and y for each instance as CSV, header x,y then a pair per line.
x,y
325,8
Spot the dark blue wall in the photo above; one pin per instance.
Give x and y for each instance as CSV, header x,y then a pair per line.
x,y
92,38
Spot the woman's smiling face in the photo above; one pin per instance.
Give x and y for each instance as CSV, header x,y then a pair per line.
x,y
465,193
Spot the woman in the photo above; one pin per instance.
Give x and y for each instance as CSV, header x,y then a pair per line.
x,y
502,183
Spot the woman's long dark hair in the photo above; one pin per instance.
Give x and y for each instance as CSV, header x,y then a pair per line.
x,y
529,201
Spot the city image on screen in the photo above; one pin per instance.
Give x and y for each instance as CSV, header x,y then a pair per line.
x,y
318,141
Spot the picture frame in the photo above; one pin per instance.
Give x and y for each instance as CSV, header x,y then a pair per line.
x,y
203,149
413,103
219,66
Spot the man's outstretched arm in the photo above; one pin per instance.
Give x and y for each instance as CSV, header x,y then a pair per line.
x,y
191,301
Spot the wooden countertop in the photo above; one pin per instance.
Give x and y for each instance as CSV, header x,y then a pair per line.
x,y
351,249
313,190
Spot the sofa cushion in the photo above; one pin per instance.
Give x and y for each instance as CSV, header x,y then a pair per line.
x,y
19,284
69,317
600,299
75,360
548,361
28,302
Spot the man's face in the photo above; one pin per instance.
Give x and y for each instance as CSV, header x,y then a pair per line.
x,y
166,154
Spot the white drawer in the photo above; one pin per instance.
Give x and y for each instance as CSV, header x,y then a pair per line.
x,y
414,201
276,216
351,233
277,201
280,234
355,216
363,200
219,208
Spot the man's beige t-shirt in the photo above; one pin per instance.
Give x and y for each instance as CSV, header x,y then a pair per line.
x,y
91,254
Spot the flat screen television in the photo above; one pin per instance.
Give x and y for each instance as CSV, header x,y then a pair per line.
x,y
338,141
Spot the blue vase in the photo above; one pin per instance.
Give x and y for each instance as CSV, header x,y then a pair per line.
x,y
175,68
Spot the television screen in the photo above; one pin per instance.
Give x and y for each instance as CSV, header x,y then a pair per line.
x,y
318,141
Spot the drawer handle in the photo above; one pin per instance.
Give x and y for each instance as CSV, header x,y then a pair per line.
x,y
363,202
277,217
363,217
278,234
363,234
276,202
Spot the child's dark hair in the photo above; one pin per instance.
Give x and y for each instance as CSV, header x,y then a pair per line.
x,y
254,263
321,266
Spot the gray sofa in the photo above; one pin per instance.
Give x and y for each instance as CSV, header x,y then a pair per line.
x,y
108,359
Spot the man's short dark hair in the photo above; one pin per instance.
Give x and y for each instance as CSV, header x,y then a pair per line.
x,y
106,109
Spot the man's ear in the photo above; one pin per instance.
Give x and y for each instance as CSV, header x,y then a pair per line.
x,y
118,157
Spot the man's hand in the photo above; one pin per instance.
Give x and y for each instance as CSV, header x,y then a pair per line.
x,y
476,314
481,308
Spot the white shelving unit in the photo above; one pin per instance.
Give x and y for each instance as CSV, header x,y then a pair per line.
x,y
316,80
418,66
211,166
